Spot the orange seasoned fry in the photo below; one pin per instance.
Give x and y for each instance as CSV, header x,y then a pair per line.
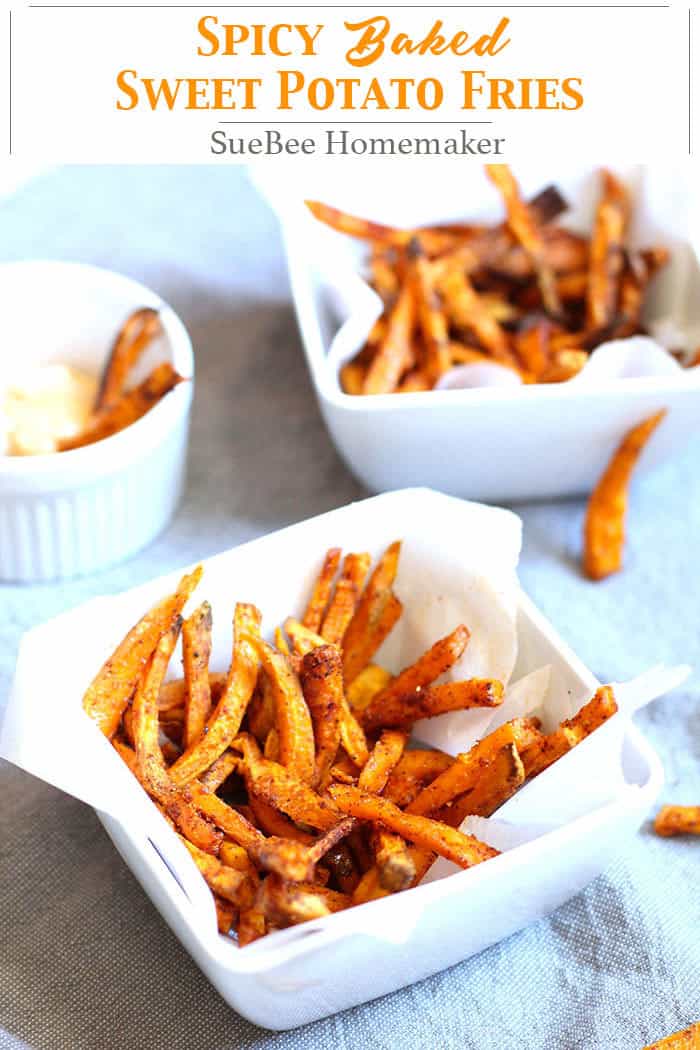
x,y
234,886
370,624
352,377
272,745
466,310
541,754
433,240
498,782
296,732
274,784
394,355
533,348
110,691
172,694
225,915
313,614
526,232
466,770
688,1039
139,329
233,823
395,864
286,903
677,820
322,685
463,850
369,888
607,248
273,822
604,528
196,650
367,684
347,593
219,771
303,639
563,365
415,770
436,661
385,754
130,407
234,856
224,723
428,702
150,764
352,735
333,900
251,926
432,319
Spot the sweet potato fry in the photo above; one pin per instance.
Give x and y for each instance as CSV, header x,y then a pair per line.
x,y
150,764
416,380
139,329
376,613
225,915
296,732
250,927
272,745
415,770
286,904
430,701
431,316
345,598
233,823
607,252
532,347
677,820
383,758
322,685
219,771
273,822
196,650
498,782
541,754
395,354
436,661
234,886
352,377
689,1039
563,365
224,723
172,693
369,888
274,784
466,310
130,407
303,639
333,900
434,240
463,850
366,686
112,688
466,770
234,856
604,528
526,232
395,864
313,614
260,713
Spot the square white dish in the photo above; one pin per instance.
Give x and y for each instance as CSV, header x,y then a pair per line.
x,y
495,444
310,971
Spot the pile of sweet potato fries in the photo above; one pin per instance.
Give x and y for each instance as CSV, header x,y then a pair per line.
x,y
526,293
116,406
289,776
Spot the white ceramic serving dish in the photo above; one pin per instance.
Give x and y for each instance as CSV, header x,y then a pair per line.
x,y
310,971
496,444
76,512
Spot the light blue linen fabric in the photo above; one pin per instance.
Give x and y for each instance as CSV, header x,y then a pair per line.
x,y
85,961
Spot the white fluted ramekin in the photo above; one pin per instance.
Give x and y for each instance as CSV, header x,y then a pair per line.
x,y
76,512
